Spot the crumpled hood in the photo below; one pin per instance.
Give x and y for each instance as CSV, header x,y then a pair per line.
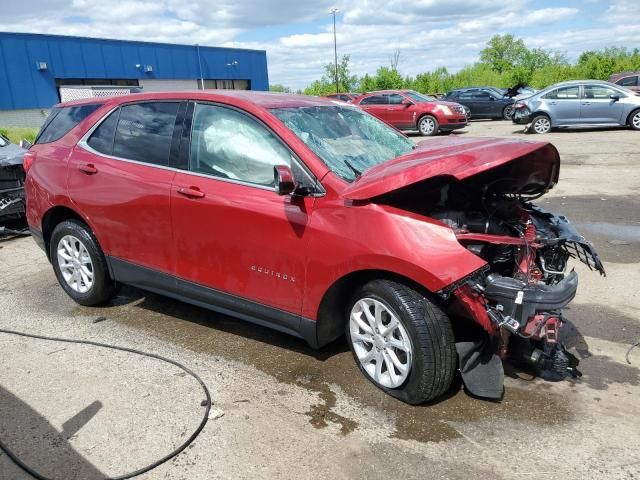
x,y
11,155
530,167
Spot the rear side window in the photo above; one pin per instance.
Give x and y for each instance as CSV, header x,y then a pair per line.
x,y
101,139
628,81
144,132
63,119
564,93
375,100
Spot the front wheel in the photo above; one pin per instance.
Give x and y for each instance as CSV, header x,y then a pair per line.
x,y
428,126
401,341
634,120
79,264
540,124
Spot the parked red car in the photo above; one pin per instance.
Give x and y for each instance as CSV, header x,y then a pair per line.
x,y
315,219
409,110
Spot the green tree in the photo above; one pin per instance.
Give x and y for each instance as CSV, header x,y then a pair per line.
x,y
327,83
276,87
503,52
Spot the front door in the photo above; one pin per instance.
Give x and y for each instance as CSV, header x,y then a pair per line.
x,y
400,115
120,182
232,233
597,106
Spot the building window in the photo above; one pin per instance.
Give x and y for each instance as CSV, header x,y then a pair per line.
x,y
225,84
120,82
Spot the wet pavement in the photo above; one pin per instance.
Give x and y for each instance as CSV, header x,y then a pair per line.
x,y
293,412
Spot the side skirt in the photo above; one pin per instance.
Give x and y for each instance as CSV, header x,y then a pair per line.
x,y
211,299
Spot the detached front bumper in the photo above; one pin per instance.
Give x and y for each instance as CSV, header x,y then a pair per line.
x,y
521,116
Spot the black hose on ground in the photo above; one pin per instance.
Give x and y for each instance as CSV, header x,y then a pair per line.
x,y
206,403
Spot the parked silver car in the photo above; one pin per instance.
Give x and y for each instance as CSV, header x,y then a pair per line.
x,y
579,103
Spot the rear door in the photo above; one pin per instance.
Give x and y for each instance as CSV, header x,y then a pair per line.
x,y
119,179
563,105
233,234
597,106
377,105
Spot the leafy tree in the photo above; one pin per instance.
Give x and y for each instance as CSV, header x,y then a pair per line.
x,y
276,87
327,84
503,52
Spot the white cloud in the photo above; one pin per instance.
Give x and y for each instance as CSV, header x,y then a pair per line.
x,y
429,33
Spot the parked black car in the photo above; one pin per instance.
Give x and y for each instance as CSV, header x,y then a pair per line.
x,y
484,102
11,181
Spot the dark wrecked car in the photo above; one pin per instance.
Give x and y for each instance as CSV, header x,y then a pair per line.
x,y
11,181
318,220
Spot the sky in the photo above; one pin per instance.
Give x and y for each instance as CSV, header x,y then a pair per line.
x,y
298,34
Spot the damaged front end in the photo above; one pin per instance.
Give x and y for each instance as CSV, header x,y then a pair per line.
x,y
484,190
519,297
12,176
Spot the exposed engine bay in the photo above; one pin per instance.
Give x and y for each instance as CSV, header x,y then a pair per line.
x,y
519,296
12,205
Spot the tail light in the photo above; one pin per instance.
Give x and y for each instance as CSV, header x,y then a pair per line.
x,y
27,160
519,105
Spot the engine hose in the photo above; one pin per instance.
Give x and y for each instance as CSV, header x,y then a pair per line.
x,y
206,403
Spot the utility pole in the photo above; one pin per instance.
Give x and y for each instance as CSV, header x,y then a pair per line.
x,y
335,47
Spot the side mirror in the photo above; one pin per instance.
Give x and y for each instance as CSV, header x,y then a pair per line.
x,y
615,98
26,144
407,103
283,176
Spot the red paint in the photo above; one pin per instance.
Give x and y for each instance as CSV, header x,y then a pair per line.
x,y
407,115
473,306
283,251
537,163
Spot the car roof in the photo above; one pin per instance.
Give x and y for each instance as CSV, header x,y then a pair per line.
x,y
262,99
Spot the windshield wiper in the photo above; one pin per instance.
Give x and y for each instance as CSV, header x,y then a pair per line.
x,y
357,172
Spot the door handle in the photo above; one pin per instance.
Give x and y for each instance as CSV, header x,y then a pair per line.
x,y
191,192
88,168
586,103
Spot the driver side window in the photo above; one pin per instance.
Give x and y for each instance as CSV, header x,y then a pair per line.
x,y
229,144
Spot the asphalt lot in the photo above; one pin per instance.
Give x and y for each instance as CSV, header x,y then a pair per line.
x,y
285,411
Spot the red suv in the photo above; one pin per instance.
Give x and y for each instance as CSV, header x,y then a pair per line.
x,y
316,219
409,110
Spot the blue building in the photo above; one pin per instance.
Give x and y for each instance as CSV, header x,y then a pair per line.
x,y
38,71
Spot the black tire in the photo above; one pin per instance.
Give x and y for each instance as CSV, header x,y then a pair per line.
x,y
634,120
434,358
428,126
507,112
540,124
103,287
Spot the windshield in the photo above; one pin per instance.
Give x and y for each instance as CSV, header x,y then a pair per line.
x,y
346,139
418,97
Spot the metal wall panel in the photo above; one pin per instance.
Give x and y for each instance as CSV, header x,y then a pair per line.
x,y
23,86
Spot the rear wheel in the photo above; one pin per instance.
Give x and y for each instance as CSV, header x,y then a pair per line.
x,y
79,264
428,126
540,124
401,341
634,120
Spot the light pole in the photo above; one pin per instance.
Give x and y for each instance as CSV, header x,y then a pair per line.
x,y
333,11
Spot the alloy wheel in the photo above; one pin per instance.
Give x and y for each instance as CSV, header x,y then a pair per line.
x,y
427,126
75,264
542,125
635,121
380,342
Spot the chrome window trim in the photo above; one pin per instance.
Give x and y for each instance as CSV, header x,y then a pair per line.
x,y
83,143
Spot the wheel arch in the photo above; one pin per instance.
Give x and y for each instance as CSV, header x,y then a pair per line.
x,y
56,215
331,319
631,114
